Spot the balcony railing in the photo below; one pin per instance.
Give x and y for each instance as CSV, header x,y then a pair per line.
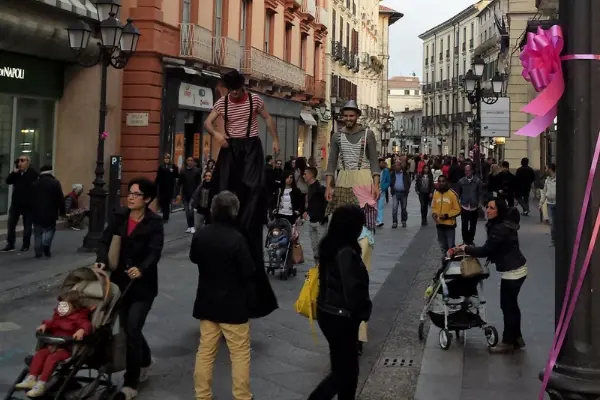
x,y
226,52
309,7
445,84
309,84
336,53
320,87
263,66
346,56
322,17
196,42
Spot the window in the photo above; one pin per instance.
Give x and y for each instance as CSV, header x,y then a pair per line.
x,y
341,40
287,43
441,45
472,29
316,61
416,92
448,41
186,11
333,21
348,34
269,17
448,71
427,77
407,92
447,106
441,75
440,109
218,18
465,34
244,22
427,52
303,44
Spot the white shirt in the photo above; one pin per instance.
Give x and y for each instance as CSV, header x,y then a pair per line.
x,y
285,205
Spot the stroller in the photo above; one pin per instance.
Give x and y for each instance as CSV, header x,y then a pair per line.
x,y
87,374
456,303
279,242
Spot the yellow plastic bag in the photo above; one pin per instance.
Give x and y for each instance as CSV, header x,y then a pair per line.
x,y
306,305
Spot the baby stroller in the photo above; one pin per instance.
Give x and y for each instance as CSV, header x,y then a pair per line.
x,y
279,242
456,303
87,374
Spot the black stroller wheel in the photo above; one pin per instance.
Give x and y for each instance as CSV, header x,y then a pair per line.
x,y
294,271
445,339
421,331
491,335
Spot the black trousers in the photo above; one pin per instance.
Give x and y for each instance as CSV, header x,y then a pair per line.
x,y
469,225
524,202
342,335
13,219
132,318
164,202
424,200
509,295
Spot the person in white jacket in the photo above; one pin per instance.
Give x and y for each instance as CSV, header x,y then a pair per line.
x,y
549,197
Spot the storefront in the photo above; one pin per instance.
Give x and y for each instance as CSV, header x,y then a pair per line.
x,y
286,114
29,91
307,135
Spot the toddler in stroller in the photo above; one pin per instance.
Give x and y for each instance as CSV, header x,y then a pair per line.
x,y
278,243
79,337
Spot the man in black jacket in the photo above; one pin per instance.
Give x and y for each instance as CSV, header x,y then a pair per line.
x,y
166,179
48,204
315,209
21,179
189,179
524,179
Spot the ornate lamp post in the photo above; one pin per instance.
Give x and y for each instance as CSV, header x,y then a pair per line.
x,y
116,46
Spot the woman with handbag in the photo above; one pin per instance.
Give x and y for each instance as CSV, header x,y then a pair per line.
x,y
502,248
343,301
131,247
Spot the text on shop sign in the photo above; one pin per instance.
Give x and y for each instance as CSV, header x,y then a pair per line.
x,y
14,73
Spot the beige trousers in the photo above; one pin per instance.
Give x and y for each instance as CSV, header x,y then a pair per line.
x,y
237,338
367,251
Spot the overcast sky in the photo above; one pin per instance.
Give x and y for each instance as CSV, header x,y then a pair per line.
x,y
406,49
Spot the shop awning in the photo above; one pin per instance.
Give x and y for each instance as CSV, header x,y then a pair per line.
x,y
308,119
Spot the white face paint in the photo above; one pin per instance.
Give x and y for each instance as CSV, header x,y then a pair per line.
x,y
63,308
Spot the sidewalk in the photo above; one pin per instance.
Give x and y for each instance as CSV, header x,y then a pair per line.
x,y
23,274
467,371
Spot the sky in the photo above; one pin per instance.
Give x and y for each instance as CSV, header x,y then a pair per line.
x,y
406,49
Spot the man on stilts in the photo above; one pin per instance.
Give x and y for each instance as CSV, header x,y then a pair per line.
x,y
354,148
240,169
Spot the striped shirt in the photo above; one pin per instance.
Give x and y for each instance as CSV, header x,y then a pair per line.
x,y
236,123
353,156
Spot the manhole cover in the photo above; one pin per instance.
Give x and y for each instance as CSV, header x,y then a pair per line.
x,y
398,362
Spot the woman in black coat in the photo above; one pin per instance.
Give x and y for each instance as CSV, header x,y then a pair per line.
x,y
290,202
343,301
502,248
136,274
424,186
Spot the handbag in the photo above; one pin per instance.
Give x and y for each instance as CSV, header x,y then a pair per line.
x,y
470,267
306,304
114,252
117,352
297,253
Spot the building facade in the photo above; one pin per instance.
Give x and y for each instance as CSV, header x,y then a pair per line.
x,y
406,135
49,106
404,93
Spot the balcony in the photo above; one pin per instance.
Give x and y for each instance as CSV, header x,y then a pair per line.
x,y
320,87
265,67
346,56
336,50
322,19
309,9
445,84
293,5
226,52
196,42
454,81
365,60
309,85
438,85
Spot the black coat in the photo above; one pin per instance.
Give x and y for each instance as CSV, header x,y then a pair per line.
x,y
344,286
419,185
405,176
316,203
47,201
298,201
22,199
166,179
142,249
225,274
501,247
524,178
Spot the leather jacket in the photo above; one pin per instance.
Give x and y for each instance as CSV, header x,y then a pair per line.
x,y
344,287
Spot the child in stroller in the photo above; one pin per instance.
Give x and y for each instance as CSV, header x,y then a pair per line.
x,y
278,244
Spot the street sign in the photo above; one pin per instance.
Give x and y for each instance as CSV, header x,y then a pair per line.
x,y
495,118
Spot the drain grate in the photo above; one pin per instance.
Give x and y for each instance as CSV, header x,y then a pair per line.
x,y
398,362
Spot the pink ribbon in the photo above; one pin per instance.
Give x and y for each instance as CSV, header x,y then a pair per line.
x,y
104,135
570,301
542,67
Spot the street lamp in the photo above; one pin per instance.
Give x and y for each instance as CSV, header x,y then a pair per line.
x,y
478,66
116,46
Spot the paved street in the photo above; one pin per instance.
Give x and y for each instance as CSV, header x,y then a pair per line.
x,y
286,362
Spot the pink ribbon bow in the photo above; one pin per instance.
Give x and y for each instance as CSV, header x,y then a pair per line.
x,y
542,67
104,135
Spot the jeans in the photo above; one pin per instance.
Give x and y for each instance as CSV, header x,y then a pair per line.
x,y
189,212
446,237
387,196
524,203
237,337
424,200
200,220
552,216
509,294
42,238
315,232
380,204
342,335
132,318
399,198
469,225
13,220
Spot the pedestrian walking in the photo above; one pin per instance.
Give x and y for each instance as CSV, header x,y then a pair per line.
x,y
240,169
226,287
21,179
548,197
141,233
166,180
48,204
343,302
290,202
424,186
524,178
189,180
384,185
315,209
400,188
502,249
507,184
202,199
444,210
470,194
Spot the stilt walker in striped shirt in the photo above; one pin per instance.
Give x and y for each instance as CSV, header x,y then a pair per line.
x,y
354,149
240,169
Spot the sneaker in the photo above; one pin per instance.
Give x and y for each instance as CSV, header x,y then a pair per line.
x,y
144,371
47,252
502,348
192,230
521,343
188,230
74,228
404,224
127,393
28,383
24,249
8,247
380,224
394,225
38,390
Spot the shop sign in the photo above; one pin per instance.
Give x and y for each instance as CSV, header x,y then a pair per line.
x,y
195,97
10,72
137,119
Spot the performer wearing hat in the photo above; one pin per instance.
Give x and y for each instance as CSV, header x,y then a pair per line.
x,y
355,149
240,169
